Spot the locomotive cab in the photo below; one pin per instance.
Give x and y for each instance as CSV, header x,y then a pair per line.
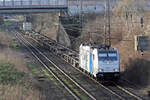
x,y
99,62
108,64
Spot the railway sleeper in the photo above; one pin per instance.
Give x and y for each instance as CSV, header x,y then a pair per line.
x,y
72,62
69,60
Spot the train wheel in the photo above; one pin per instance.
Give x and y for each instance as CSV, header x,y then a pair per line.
x,y
93,77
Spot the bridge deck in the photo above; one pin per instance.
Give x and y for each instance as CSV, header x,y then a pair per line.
x,y
27,6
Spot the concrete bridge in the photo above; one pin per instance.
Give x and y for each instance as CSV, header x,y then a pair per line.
x,y
32,6
38,6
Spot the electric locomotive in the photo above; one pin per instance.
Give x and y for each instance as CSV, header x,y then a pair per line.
x,y
100,62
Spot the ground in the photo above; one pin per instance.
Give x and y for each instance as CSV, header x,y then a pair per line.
x,y
21,63
134,66
124,26
12,56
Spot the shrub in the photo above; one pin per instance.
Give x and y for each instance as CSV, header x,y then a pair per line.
x,y
9,74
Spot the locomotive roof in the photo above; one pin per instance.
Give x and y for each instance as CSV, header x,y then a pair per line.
x,y
99,46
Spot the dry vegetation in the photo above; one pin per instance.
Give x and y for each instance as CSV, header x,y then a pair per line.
x,y
125,23
135,66
46,24
8,54
127,15
15,80
17,92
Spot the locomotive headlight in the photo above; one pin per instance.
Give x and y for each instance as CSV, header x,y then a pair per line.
x,y
100,70
116,70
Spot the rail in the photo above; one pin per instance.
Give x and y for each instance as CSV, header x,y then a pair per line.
x,y
47,67
69,59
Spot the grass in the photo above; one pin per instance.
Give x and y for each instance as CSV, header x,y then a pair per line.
x,y
17,92
33,69
12,84
6,23
9,74
68,84
49,76
65,81
54,70
75,90
76,78
14,45
15,84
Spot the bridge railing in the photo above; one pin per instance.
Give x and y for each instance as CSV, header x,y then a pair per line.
x,y
32,3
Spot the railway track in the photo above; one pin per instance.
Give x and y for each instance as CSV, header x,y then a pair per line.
x,y
115,89
127,95
48,40
99,90
129,86
77,91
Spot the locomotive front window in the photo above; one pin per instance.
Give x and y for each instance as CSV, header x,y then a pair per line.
x,y
102,54
107,55
112,55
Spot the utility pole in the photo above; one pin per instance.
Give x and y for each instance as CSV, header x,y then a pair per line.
x,y
107,24
81,14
